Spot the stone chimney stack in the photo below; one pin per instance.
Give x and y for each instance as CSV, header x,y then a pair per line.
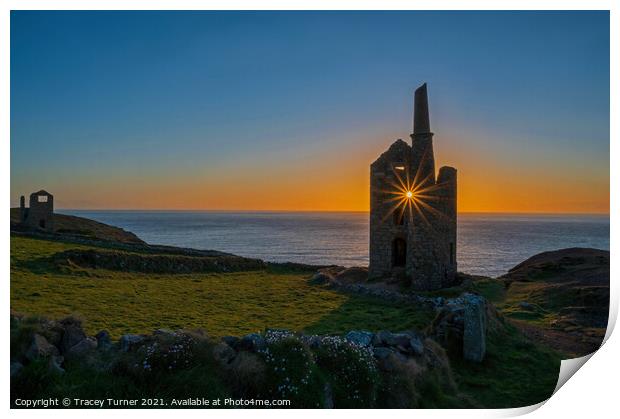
x,y
422,156
421,120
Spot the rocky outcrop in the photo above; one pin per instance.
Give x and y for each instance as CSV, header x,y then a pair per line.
x,y
40,348
474,328
103,339
72,342
127,342
461,326
72,334
82,347
53,341
360,337
315,370
408,343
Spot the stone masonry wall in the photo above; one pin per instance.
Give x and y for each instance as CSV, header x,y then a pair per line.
x,y
429,228
383,179
40,214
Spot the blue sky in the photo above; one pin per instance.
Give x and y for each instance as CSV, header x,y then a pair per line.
x,y
177,99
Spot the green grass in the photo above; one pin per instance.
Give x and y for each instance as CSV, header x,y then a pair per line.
x,y
546,300
514,373
222,304
492,289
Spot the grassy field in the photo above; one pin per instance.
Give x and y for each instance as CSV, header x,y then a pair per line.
x,y
222,304
515,372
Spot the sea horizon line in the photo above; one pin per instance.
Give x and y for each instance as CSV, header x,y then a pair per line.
x,y
539,213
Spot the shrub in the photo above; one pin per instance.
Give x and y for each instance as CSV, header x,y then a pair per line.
x,y
33,381
167,354
416,383
246,375
175,365
291,372
352,371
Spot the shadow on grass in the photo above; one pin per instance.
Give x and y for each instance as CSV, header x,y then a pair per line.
x,y
372,314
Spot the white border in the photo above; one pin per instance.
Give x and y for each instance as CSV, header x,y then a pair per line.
x,y
592,393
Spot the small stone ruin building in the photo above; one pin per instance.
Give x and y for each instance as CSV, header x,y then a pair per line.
x,y
40,214
413,210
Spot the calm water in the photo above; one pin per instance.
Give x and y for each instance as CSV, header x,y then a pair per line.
x,y
487,244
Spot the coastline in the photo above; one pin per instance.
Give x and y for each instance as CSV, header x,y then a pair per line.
x,y
486,245
235,299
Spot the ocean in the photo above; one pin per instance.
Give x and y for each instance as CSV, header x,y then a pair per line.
x,y
488,244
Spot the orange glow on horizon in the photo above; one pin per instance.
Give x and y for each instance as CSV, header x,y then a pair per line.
x,y
476,193
334,181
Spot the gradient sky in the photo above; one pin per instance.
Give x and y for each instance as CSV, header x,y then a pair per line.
x,y
286,111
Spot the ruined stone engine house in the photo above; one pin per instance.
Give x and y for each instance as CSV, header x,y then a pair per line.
x,y
40,214
412,211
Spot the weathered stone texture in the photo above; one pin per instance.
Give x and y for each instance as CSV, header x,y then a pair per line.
x,y
474,330
420,246
40,214
461,326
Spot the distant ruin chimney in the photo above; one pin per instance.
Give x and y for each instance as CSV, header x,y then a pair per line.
x,y
421,120
22,208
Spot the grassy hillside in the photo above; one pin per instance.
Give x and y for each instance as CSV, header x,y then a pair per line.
x,y
569,286
83,227
515,372
221,303
559,298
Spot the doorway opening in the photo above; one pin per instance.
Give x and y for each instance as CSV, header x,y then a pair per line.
x,y
399,252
